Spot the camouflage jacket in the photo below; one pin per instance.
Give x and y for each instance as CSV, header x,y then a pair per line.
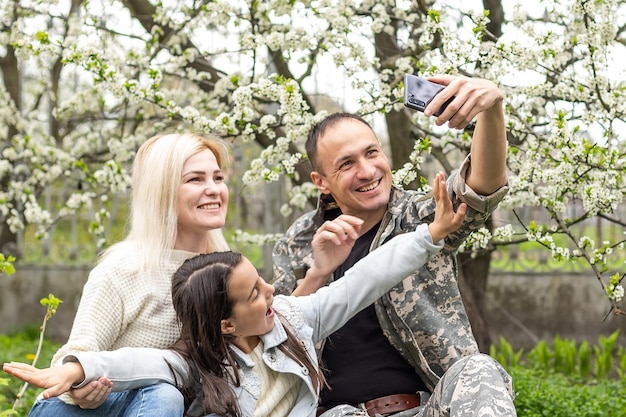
x,y
423,317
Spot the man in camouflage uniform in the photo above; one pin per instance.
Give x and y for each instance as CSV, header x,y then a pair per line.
x,y
417,338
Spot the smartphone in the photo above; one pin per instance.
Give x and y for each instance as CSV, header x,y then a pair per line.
x,y
419,92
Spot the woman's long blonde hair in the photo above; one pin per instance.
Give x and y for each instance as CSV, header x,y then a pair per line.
x,y
156,176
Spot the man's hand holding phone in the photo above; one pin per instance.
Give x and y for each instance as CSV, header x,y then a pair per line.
x,y
419,93
456,100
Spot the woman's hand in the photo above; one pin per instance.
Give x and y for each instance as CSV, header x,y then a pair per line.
x,y
55,381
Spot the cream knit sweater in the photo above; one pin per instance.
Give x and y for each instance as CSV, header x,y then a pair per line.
x,y
121,306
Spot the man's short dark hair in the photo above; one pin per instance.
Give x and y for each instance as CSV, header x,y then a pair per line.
x,y
320,128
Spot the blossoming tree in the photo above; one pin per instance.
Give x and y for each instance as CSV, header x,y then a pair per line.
x,y
85,82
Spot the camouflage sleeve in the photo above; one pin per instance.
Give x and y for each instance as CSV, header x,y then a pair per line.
x,y
485,204
284,277
292,255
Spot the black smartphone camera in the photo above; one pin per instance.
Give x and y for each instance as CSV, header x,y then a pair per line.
x,y
418,92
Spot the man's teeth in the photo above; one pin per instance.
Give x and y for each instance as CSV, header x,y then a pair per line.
x,y
369,187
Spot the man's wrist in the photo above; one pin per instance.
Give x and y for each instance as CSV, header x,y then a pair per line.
x,y
314,275
312,281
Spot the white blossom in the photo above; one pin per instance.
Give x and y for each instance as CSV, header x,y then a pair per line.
x,y
254,75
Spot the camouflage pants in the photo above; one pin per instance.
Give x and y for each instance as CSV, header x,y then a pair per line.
x,y
475,386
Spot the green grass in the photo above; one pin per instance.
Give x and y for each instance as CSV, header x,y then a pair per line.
x,y
563,378
553,394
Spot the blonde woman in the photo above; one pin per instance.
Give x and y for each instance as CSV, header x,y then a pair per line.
x,y
178,208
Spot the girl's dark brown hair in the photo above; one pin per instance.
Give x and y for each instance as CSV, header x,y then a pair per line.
x,y
201,301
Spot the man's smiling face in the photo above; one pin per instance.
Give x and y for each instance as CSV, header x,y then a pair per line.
x,y
353,169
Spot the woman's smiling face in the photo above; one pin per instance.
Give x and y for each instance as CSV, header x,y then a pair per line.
x,y
202,200
252,313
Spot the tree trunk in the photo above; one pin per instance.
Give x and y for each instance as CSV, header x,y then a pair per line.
x,y
496,17
473,275
13,85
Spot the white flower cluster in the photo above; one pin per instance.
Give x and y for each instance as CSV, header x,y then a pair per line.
x,y
504,233
586,242
9,116
34,167
113,177
123,150
615,292
477,240
34,214
380,19
275,159
97,227
559,253
13,219
254,239
75,202
600,255
408,172
5,167
298,195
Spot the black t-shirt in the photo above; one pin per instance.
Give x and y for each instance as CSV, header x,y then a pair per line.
x,y
360,362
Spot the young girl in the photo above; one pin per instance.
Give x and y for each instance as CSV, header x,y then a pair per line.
x,y
243,352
